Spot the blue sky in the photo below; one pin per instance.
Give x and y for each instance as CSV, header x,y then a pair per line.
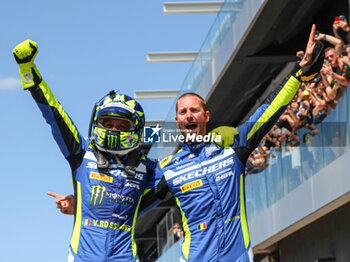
x,y
86,48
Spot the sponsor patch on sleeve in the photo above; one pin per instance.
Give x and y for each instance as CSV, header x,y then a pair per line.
x,y
165,161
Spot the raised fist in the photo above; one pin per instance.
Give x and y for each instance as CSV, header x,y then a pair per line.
x,y
25,52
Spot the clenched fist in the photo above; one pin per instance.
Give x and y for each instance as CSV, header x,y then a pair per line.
x,y
25,54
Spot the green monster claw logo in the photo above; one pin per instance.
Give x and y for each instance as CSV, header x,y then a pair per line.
x,y
112,141
95,194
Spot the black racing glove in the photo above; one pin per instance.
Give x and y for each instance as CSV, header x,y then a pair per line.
x,y
309,72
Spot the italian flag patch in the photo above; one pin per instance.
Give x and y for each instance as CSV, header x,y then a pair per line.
x,y
86,222
202,226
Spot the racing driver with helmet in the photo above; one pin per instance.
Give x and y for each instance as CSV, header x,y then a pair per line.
x,y
110,175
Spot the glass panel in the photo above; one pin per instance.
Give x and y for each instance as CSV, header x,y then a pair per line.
x,y
334,132
256,196
311,152
291,167
162,238
276,185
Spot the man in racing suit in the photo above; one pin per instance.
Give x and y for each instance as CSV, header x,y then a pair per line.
x,y
208,181
109,174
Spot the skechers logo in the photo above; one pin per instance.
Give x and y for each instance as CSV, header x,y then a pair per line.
x,y
101,176
204,170
118,172
139,176
191,185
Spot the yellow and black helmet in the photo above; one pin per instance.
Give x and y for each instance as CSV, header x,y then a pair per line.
x,y
117,140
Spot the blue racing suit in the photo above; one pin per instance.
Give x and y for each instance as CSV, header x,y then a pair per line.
x,y
207,182
106,201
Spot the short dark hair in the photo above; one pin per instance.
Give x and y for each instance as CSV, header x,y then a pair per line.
x,y
193,94
329,48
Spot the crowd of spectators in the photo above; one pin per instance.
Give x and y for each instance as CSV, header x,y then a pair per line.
x,y
314,100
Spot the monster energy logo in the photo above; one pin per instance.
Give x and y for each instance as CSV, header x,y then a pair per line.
x,y
112,141
97,190
124,199
95,193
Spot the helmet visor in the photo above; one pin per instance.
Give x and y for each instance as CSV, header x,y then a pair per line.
x,y
116,123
